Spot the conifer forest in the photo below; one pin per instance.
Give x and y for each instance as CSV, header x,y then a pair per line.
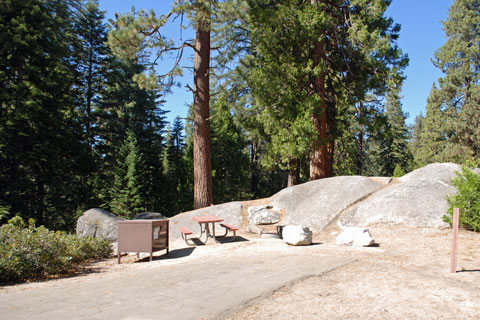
x,y
284,92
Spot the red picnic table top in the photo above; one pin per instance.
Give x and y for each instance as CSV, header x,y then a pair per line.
x,y
207,219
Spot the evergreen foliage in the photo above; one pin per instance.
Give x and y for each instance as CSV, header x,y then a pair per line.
x,y
394,146
91,62
297,86
467,199
433,140
398,172
91,59
453,106
231,162
127,107
416,130
364,127
317,78
128,194
179,188
42,157
139,31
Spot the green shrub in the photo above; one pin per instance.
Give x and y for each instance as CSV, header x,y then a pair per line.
x,y
28,253
398,172
467,199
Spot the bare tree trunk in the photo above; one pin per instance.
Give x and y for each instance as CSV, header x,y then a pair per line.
x,y
255,178
360,144
294,173
202,167
321,161
321,157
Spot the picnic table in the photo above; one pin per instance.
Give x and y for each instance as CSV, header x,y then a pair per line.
x,y
207,228
204,222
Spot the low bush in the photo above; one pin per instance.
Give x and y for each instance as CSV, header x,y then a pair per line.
x,y
398,172
30,253
467,199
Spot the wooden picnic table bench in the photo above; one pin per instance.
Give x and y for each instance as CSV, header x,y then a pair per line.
x,y
204,222
185,233
229,228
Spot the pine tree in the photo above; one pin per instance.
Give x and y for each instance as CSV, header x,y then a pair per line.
x,y
437,142
433,139
42,159
325,57
416,131
125,106
91,59
127,193
361,129
373,163
178,193
231,161
395,152
136,31
242,122
458,96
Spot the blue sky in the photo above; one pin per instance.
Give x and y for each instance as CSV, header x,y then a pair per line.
x,y
420,36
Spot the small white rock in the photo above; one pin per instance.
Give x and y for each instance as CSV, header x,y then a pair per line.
x,y
297,235
353,236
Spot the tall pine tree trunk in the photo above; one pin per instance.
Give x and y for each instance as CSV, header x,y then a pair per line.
x,y
360,142
202,167
321,157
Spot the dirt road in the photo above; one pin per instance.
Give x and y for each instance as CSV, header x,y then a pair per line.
x,y
204,283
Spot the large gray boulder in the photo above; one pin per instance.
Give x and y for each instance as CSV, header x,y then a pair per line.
x,y
417,199
230,212
148,216
433,172
316,204
98,223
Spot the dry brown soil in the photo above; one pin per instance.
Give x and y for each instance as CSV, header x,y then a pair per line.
x,y
406,277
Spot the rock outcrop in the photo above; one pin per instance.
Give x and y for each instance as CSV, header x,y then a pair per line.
x,y
98,223
417,199
316,204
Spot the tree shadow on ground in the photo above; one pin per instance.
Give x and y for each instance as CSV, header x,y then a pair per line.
x,y
469,270
226,240
185,252
173,254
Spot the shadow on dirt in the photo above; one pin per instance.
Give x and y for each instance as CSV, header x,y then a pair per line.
x,y
471,270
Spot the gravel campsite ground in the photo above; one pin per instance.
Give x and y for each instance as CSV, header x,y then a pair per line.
x,y
405,276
